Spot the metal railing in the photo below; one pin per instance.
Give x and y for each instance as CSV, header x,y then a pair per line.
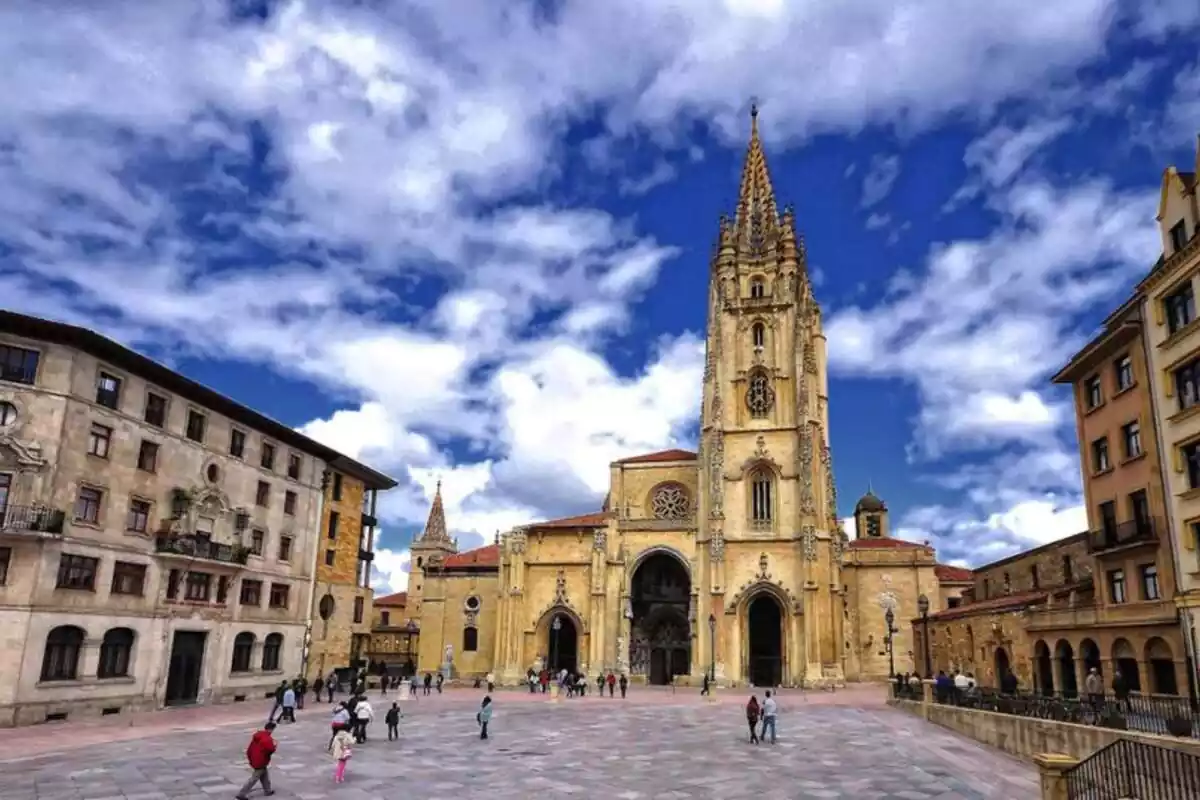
x,y
1124,533
201,547
1129,769
1163,715
38,519
904,690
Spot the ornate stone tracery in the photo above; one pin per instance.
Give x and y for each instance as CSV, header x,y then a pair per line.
x,y
760,397
716,544
809,539
670,501
808,501
716,476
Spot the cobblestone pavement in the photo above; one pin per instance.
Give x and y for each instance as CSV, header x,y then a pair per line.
x,y
653,745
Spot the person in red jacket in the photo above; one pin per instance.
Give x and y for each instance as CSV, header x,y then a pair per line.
x,y
258,753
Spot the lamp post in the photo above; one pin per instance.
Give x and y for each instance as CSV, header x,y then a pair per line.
x,y
712,648
889,617
555,626
923,608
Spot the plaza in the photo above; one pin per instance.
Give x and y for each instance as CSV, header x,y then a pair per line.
x,y
655,744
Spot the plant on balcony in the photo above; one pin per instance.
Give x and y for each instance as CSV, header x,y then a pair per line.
x,y
1179,725
181,501
241,553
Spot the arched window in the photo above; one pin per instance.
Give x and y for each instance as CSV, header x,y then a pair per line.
x,y
758,334
470,639
757,288
761,491
60,661
243,648
759,395
115,652
272,646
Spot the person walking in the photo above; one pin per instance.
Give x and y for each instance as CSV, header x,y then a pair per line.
x,y
288,713
491,682
484,717
258,755
278,707
440,680
331,684
624,685
363,715
342,748
393,722
769,709
752,713
317,686
428,682
704,686
301,687
341,721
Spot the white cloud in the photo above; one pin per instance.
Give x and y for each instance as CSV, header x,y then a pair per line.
x,y
880,178
390,570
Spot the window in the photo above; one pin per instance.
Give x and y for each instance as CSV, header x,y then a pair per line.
x,y
1095,394
222,588
758,335
115,651
237,443
272,647
330,555
268,456
1131,437
470,639
1180,307
279,595
77,572
1033,576
197,425
334,518
147,459
60,660
138,518
293,470
1178,236
1116,585
241,522
8,414
251,593
87,505
285,548
1139,508
289,503
262,495
1108,519
757,288
953,602
1100,455
257,541
129,578
108,390
1068,571
173,584
99,439
243,649
337,487
759,395
1150,582
1124,369
197,587
1191,460
760,499
359,607
384,618
5,560
1187,384
156,410
18,364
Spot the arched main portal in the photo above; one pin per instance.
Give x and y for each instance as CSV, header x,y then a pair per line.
x,y
563,643
661,639
764,619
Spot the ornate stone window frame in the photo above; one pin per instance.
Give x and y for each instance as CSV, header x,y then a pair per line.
x,y
664,486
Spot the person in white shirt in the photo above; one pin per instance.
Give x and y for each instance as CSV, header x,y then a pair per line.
x,y
363,714
491,682
769,710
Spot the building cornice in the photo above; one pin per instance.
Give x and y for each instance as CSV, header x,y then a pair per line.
x,y
1104,345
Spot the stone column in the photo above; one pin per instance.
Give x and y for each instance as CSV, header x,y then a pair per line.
x,y
926,696
1052,768
812,644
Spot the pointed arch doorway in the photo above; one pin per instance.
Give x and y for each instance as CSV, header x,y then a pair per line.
x,y
660,598
764,629
563,643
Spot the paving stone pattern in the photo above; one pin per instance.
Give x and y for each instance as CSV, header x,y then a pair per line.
x,y
590,748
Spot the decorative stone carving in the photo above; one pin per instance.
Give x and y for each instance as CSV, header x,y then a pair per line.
x,y
808,500
760,397
838,545
517,540
670,501
716,544
716,476
760,448
763,563
809,538
470,618
830,486
560,588
718,410
600,539
28,454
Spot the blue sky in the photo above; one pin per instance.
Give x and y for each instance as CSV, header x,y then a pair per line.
x,y
467,239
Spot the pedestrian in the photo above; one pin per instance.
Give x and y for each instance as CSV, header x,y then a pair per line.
x,y
600,684
752,713
544,680
484,717
331,684
1120,689
704,686
491,682
289,705
392,718
624,685
258,754
428,682
279,690
532,679
317,686
363,714
342,748
441,678
412,685
340,721
769,709
612,684
301,687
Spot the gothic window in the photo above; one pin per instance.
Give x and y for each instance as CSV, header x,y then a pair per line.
x,y
758,335
670,501
760,396
757,288
761,491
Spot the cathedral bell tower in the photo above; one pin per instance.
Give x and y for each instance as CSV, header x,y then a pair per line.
x,y
768,503
430,548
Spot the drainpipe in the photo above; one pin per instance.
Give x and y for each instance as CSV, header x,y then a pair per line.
x,y
306,648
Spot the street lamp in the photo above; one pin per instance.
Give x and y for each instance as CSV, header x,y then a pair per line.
x,y
712,648
889,617
556,626
923,608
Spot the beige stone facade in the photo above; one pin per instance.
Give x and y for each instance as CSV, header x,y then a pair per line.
x,y
156,538
395,637
731,560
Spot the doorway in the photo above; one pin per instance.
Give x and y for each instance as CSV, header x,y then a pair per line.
x,y
661,641
183,674
564,643
765,667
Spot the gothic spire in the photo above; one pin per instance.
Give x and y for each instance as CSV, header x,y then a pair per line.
x,y
756,210
435,526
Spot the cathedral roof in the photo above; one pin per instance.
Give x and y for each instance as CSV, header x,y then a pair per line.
x,y
661,455
435,526
869,502
882,544
1008,602
486,556
397,600
594,520
948,574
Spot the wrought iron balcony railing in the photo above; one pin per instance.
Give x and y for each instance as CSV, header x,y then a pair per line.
x,y
1123,534
36,519
200,547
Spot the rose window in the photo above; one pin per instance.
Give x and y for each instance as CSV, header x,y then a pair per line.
x,y
760,396
670,502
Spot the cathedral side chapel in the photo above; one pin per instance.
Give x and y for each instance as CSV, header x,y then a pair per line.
x,y
730,561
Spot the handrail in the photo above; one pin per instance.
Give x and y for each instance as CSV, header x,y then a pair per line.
x,y
1128,768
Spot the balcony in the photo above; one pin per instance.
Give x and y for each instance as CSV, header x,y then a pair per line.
x,y
192,546
366,555
31,519
1124,534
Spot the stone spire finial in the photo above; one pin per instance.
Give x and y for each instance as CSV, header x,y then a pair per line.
x,y
435,526
757,211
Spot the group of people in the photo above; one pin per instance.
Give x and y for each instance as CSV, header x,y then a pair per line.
x,y
572,683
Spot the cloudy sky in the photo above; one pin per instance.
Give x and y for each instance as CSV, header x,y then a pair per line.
x,y
470,239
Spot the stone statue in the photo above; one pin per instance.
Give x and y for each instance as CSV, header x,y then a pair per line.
x,y
448,654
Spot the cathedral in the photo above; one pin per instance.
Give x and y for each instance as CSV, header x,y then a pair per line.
x,y
729,562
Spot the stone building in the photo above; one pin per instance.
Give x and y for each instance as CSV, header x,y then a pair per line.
x,y
156,538
731,560
342,598
395,636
